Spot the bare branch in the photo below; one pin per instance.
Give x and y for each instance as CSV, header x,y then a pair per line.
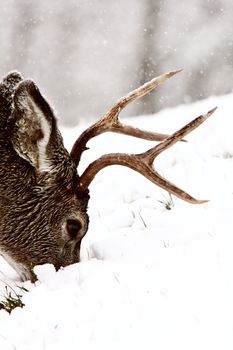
x,y
110,121
143,162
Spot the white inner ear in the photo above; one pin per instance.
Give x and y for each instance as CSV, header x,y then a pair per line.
x,y
44,164
34,116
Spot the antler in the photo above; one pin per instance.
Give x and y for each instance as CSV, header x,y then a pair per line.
x,y
110,121
143,162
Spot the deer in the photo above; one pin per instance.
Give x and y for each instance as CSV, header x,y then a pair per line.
x,y
43,198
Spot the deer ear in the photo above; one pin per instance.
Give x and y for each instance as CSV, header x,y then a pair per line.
x,y
31,124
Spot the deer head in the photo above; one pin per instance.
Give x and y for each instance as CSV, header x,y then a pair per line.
x,y
43,199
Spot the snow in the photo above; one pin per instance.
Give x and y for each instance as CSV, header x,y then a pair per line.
x,y
150,277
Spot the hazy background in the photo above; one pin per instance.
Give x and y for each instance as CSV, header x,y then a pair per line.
x,y
84,55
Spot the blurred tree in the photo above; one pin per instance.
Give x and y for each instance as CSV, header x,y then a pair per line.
x,y
149,52
24,24
67,27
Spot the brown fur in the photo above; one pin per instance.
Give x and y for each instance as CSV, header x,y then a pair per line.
x,y
35,204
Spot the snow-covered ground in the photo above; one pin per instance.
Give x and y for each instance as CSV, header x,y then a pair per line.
x,y
150,278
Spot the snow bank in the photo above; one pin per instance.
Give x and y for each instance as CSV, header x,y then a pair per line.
x,y
150,277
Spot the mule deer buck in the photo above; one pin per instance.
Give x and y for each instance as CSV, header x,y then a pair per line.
x,y
43,200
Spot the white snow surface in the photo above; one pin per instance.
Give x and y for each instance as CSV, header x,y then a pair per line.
x,y
150,278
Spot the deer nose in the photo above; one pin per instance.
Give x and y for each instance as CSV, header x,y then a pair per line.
x,y
73,228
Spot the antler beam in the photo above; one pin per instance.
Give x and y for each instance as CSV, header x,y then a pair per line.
x,y
143,162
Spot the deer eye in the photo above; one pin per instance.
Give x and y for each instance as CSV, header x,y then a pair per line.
x,y
73,227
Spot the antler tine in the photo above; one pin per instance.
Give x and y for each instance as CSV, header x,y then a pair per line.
x,y
152,153
110,121
143,162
